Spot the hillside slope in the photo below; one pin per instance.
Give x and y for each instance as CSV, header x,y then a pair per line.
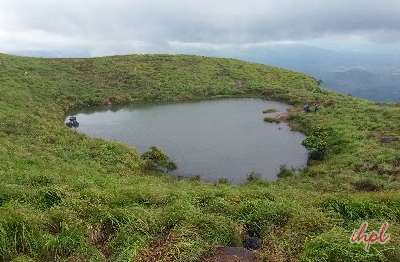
x,y
64,196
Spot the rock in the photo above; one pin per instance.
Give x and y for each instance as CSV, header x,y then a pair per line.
x,y
252,243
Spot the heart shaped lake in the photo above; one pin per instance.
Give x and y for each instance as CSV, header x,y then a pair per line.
x,y
212,139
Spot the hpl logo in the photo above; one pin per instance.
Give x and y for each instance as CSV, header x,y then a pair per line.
x,y
374,237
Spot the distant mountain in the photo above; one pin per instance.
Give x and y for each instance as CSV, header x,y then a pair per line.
x,y
374,86
53,54
372,76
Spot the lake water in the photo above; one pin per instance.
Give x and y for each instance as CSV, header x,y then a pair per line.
x,y
213,139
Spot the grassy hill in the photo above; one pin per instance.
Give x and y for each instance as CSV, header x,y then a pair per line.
x,y
67,197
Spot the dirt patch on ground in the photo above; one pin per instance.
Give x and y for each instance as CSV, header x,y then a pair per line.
x,y
159,250
232,254
276,117
100,236
386,138
282,116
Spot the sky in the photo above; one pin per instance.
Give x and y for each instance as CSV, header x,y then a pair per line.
x,y
97,28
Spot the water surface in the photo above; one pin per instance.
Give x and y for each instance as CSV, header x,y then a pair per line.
x,y
213,139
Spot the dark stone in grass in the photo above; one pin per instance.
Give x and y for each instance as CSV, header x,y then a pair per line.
x,y
316,155
252,243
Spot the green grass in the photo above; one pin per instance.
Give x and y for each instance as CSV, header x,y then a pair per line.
x,y
272,119
270,110
65,196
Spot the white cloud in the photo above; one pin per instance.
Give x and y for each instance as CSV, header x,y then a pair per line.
x,y
123,26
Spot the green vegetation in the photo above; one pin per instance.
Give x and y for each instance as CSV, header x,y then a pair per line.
x,y
156,159
271,110
272,119
65,196
285,172
317,143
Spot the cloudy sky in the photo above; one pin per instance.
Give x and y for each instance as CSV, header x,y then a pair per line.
x,y
95,27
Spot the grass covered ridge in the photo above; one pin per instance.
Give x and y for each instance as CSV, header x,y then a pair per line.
x,y
65,196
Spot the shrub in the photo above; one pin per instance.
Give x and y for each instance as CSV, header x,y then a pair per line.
x,y
367,184
156,159
171,165
285,172
317,143
253,176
